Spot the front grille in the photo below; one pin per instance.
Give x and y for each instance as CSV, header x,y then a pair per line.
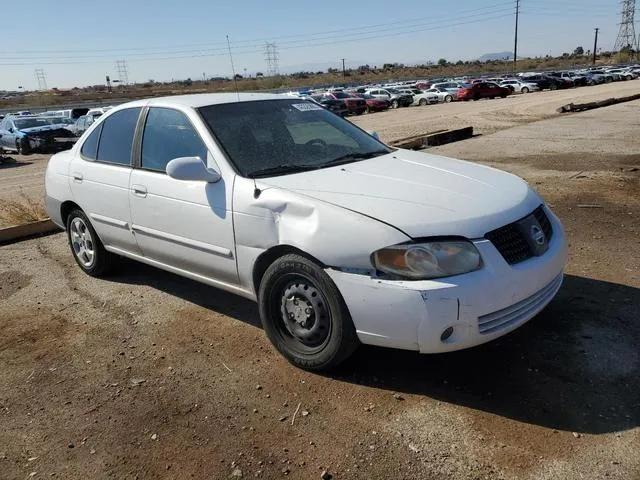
x,y
511,242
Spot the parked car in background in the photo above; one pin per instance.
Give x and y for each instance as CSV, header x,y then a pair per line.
x,y
374,104
519,86
452,87
355,105
396,99
333,105
72,113
82,123
420,98
546,82
444,96
340,239
482,90
25,134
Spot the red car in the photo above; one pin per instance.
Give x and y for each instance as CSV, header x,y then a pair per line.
x,y
373,104
480,90
354,105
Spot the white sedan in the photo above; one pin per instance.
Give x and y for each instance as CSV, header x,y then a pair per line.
x,y
444,96
339,238
519,86
420,97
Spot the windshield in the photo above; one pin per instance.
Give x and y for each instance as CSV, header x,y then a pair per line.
x,y
30,122
341,95
286,135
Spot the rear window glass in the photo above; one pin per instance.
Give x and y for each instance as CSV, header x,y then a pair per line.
x,y
116,140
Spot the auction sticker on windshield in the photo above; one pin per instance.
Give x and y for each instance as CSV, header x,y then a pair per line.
x,y
304,107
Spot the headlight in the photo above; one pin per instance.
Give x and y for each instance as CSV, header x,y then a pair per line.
x,y
421,261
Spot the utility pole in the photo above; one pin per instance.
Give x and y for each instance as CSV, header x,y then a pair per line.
x,y
515,41
344,73
595,46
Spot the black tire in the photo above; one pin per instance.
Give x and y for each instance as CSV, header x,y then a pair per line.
x,y
369,110
448,99
101,261
394,104
503,95
327,337
524,90
422,102
553,86
476,97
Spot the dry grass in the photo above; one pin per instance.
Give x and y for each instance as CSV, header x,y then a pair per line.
x,y
18,212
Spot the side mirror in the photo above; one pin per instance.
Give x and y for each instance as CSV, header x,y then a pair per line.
x,y
10,129
191,169
374,134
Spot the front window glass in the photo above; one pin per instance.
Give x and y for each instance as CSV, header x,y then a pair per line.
x,y
168,134
276,137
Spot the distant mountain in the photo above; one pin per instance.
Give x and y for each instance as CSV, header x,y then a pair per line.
x,y
496,56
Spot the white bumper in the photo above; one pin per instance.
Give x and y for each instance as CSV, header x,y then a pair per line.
x,y
480,306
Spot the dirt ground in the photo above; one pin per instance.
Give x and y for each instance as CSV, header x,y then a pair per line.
x,y
148,375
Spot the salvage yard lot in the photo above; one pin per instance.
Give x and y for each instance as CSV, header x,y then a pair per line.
x,y
148,375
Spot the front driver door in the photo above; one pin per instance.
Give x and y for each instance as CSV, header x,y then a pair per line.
x,y
182,224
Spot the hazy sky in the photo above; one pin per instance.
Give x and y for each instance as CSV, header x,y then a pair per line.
x,y
78,42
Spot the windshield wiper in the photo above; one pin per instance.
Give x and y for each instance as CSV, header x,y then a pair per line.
x,y
349,157
281,169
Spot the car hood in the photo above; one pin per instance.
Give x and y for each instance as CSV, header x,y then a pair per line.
x,y
44,128
420,194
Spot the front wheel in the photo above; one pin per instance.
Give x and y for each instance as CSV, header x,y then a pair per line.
x,y
524,90
422,102
448,99
304,314
394,104
86,247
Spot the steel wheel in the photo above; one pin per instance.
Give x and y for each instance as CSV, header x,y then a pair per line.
x,y
304,315
82,242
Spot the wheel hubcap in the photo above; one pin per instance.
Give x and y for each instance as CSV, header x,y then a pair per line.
x,y
82,242
304,313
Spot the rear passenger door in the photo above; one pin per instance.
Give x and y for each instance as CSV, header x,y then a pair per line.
x,y
99,178
183,224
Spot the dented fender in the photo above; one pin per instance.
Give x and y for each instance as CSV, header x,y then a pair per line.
x,y
335,236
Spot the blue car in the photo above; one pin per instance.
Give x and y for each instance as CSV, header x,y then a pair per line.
x,y
26,134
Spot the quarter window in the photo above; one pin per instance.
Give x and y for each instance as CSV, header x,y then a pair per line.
x,y
168,134
90,146
116,140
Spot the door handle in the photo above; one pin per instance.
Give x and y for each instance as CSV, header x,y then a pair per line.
x,y
139,190
77,176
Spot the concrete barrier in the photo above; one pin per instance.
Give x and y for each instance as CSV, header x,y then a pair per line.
x,y
27,230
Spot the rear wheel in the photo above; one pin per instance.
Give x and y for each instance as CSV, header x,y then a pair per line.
x,y
476,97
394,103
87,249
553,87
304,314
18,147
448,99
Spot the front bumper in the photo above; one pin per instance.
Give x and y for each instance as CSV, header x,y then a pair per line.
x,y
480,306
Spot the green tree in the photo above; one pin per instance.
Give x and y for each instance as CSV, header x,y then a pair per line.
x,y
579,51
442,62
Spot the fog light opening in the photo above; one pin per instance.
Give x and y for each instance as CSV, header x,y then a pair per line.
x,y
446,334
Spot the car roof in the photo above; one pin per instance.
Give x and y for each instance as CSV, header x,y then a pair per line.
x,y
204,99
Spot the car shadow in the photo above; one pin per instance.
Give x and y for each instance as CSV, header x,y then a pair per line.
x,y
575,367
10,162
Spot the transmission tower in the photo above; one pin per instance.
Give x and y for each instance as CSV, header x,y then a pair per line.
x,y
123,72
271,57
41,77
627,33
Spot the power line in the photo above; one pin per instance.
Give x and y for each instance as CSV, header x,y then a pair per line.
x,y
627,34
336,40
435,18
